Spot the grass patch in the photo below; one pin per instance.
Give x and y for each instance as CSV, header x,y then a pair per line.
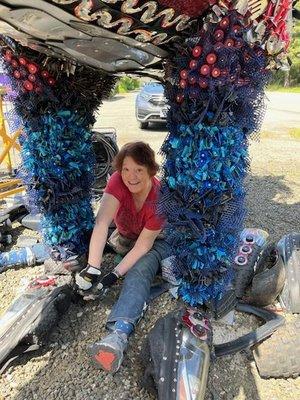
x,y
277,88
295,133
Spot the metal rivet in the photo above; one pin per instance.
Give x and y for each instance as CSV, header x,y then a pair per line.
x,y
164,358
162,379
173,390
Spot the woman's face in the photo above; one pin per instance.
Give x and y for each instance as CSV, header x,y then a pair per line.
x,y
135,176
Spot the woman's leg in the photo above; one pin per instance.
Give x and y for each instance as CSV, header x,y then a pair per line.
x,y
108,353
136,287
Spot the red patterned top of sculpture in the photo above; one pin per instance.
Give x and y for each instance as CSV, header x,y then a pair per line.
x,y
192,8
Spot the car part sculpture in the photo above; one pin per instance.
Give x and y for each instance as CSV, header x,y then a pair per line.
x,y
62,56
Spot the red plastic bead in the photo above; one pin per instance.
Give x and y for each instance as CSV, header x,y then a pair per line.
x,y
236,29
205,69
14,63
219,34
203,83
215,72
8,53
229,43
32,68
31,78
52,81
179,98
28,85
182,83
224,22
22,61
193,64
7,57
183,74
17,74
211,58
45,74
197,50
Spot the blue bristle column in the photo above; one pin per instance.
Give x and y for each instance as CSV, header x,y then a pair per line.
x,y
215,86
56,103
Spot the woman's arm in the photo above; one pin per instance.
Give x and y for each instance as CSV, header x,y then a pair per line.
x,y
143,244
108,208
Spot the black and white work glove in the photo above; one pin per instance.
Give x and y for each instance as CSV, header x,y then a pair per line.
x,y
86,279
108,280
97,288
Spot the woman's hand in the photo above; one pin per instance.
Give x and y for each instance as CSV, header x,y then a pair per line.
x,y
87,278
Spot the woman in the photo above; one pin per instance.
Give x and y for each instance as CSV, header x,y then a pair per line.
x,y
130,200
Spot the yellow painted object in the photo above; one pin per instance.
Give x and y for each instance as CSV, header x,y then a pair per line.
x,y
9,142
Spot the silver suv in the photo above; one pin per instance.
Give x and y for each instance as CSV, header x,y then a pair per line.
x,y
151,104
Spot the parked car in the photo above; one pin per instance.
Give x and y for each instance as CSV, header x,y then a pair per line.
x,y
151,104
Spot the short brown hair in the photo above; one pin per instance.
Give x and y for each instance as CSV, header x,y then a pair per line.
x,y
141,153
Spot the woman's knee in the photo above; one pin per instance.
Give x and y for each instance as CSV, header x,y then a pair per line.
x,y
145,268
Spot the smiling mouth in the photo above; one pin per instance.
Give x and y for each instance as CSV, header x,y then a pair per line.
x,y
133,184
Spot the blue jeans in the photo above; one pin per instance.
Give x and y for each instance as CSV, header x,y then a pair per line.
x,y
136,287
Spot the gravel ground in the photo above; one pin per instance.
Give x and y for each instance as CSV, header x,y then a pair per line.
x,y
62,370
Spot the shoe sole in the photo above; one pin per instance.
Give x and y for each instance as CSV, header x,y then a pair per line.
x,y
105,357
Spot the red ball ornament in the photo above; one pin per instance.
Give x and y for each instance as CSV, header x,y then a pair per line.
x,y
8,53
197,50
28,85
32,68
17,74
22,61
7,57
183,74
203,83
52,81
219,35
229,43
211,58
31,77
215,72
45,74
182,83
179,98
193,64
224,23
236,29
205,69
14,63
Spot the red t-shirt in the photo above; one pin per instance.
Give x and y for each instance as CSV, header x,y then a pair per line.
x,y
128,220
